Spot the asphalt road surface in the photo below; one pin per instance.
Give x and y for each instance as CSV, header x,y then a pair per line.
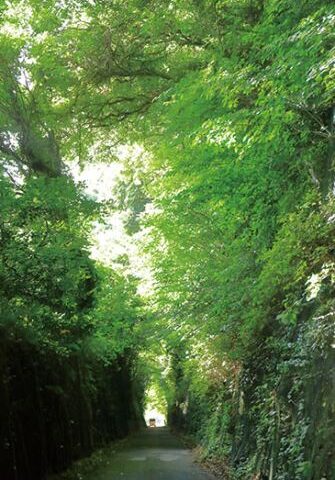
x,y
153,454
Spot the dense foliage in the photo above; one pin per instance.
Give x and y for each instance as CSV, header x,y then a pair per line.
x,y
67,351
232,103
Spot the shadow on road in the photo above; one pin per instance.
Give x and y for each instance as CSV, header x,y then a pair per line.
x,y
153,453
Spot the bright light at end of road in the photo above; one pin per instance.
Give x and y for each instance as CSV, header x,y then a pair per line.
x,y
160,418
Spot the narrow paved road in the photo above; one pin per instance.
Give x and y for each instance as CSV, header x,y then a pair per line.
x,y
154,454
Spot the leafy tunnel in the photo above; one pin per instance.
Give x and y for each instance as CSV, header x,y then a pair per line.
x,y
167,231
